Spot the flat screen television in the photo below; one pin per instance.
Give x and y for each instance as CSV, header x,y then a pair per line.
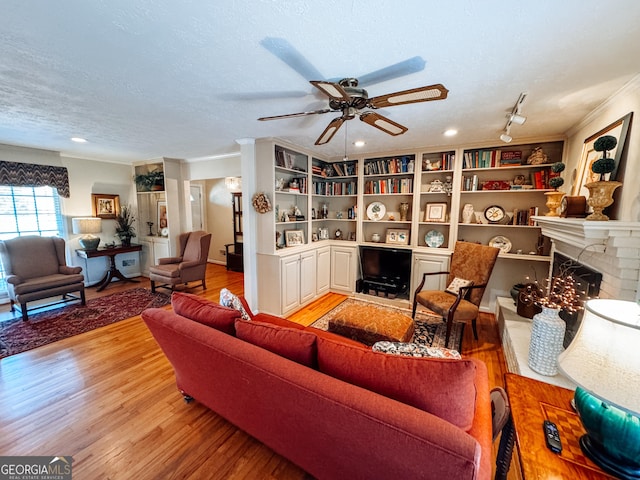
x,y
385,269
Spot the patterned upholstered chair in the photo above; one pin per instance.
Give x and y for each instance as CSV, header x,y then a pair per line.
x,y
468,275
35,268
189,266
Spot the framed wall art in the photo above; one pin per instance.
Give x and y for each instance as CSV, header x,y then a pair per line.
x,y
617,129
162,216
294,238
435,212
397,237
104,205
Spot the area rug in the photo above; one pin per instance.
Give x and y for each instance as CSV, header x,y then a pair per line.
x,y
430,330
49,326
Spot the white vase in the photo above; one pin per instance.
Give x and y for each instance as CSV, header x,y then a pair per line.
x,y
547,336
467,213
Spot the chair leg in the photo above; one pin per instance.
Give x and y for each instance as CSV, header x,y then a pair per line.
x,y
415,305
83,298
204,284
153,286
13,306
25,313
449,325
475,328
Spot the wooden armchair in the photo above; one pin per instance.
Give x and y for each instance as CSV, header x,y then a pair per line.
x,y
471,263
189,266
36,268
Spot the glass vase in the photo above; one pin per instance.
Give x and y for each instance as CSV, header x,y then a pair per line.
x,y
547,337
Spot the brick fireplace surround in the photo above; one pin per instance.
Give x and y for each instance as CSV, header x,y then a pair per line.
x,y
612,248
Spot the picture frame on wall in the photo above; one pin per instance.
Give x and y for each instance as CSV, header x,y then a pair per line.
x,y
163,221
397,236
294,238
435,212
617,129
104,205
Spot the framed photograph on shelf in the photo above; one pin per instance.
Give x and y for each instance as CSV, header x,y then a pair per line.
x,y
104,205
617,129
162,216
435,212
397,237
294,238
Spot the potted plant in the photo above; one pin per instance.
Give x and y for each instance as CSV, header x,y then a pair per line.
x,y
555,198
147,182
601,192
125,230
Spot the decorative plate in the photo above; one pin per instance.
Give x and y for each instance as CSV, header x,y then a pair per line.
x,y
164,232
376,211
434,238
501,242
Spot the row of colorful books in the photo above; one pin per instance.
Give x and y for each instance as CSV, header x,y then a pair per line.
x,y
337,169
335,188
389,185
492,158
523,216
381,166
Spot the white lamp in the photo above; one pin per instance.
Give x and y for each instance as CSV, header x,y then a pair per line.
x,y
87,226
604,361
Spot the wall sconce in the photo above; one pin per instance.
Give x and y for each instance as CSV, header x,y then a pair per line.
x,y
87,226
514,117
233,184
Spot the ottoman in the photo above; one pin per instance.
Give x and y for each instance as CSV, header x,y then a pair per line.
x,y
369,324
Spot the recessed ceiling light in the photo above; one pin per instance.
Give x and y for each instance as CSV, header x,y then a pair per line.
x,y
359,143
78,140
451,132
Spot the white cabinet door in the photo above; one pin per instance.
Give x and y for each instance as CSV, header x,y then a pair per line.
x,y
307,276
423,263
342,269
160,249
290,271
323,270
146,256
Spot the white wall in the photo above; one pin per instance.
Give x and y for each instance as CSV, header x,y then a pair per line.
x,y
627,197
219,214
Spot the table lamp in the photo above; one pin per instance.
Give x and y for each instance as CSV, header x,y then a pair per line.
x,y
87,226
604,361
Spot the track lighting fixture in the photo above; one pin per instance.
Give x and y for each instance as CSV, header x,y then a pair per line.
x,y
514,117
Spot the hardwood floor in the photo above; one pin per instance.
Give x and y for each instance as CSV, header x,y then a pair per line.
x,y
108,398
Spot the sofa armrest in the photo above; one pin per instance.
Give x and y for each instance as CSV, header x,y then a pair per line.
x,y
66,270
14,280
168,260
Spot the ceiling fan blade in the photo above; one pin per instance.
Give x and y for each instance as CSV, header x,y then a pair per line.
x,y
411,65
383,123
299,114
415,95
330,131
331,89
289,55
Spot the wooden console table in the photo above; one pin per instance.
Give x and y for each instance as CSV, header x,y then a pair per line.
x,y
113,272
531,403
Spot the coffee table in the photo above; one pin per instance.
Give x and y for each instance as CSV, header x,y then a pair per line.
x,y
369,324
531,403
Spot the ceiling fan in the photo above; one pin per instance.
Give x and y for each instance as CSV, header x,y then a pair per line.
x,y
350,99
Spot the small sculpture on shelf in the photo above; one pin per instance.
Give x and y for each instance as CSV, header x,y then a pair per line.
x,y
537,157
554,199
601,192
150,224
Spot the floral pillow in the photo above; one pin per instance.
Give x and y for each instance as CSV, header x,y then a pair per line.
x,y
415,350
228,299
456,283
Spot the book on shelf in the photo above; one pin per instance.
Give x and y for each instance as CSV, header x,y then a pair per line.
x,y
492,158
522,216
394,165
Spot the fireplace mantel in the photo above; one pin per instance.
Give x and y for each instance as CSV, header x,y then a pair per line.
x,y
611,247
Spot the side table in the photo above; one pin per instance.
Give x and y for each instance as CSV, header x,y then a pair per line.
x,y
531,403
113,271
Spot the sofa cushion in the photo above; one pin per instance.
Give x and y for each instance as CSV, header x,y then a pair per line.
x,y
205,311
415,350
228,299
294,344
441,387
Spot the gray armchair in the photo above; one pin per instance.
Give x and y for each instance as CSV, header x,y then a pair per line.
x,y
36,268
189,266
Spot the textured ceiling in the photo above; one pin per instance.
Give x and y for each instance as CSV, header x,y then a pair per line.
x,y
144,79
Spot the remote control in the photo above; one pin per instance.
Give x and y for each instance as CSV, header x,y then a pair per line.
x,y
552,436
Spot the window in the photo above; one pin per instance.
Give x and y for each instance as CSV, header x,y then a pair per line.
x,y
28,211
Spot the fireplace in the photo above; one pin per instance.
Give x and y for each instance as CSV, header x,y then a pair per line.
x,y
587,282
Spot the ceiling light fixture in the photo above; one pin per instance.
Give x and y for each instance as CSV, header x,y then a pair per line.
x,y
451,132
78,140
514,117
359,143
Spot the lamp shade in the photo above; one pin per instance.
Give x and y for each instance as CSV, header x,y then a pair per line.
x,y
603,357
86,225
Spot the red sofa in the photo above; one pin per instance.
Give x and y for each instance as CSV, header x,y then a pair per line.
x,y
315,401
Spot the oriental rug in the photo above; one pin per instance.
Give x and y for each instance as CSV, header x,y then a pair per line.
x,y
50,326
430,329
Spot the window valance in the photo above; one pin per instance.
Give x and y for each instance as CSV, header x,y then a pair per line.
x,y
31,175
